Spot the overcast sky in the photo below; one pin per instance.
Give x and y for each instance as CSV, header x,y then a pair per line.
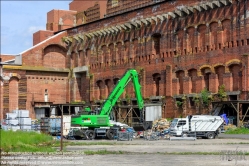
x,y
20,19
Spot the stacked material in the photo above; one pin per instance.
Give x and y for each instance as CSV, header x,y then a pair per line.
x,y
52,125
160,125
11,122
16,120
24,120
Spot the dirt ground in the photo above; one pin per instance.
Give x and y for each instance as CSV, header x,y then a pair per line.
x,y
138,152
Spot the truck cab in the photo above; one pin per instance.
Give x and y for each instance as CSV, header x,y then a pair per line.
x,y
178,125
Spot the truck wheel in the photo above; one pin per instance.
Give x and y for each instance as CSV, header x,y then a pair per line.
x,y
210,135
110,134
90,134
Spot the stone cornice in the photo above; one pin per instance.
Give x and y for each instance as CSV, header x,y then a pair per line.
x,y
35,68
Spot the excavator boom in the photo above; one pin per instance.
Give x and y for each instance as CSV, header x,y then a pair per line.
x,y
119,89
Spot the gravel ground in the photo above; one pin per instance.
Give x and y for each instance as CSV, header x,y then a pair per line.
x,y
147,153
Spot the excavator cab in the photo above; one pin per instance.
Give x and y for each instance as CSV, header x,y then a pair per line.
x,y
86,111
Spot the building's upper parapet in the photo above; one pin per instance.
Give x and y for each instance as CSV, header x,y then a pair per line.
x,y
120,6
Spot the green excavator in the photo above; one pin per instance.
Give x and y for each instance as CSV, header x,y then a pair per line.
x,y
95,123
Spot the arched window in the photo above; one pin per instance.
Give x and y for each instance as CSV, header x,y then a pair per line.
x,y
220,70
156,39
100,85
237,76
206,73
180,75
193,75
156,79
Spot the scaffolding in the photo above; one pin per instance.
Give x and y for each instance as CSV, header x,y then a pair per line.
x,y
132,116
241,108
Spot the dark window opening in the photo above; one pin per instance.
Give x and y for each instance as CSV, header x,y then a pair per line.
x,y
191,101
47,112
233,97
134,102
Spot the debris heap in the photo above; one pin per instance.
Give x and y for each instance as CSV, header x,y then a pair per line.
x,y
160,125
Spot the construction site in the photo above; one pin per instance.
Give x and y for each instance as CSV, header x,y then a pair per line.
x,y
120,70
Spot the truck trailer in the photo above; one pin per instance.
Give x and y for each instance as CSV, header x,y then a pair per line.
x,y
197,126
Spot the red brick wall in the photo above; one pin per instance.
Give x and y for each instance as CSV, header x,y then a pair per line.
x,y
34,56
41,35
54,83
80,6
6,57
67,18
212,40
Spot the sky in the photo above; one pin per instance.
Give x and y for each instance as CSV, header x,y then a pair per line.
x,y
20,19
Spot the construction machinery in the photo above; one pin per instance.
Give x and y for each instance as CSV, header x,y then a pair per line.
x,y
197,126
90,124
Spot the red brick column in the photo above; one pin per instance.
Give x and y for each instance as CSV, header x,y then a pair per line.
x,y
200,84
175,86
168,80
187,85
228,81
213,83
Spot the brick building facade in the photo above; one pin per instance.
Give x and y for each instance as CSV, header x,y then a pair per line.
x,y
178,47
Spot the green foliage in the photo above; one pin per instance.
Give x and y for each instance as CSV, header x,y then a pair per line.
x,y
205,96
241,130
179,103
196,99
91,76
21,141
184,97
127,96
221,92
119,101
169,119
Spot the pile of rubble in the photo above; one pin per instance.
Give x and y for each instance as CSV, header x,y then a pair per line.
x,y
229,126
160,125
158,131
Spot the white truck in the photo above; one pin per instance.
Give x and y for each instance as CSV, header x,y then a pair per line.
x,y
197,125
